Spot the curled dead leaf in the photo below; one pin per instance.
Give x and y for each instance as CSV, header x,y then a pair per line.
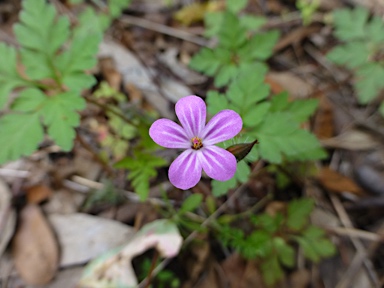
x,y
336,182
34,248
114,268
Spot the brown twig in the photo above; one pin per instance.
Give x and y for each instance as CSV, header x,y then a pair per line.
x,y
163,29
361,256
153,265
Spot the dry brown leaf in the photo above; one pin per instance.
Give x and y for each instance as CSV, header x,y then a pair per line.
x,y
352,139
197,261
212,278
34,247
336,182
241,273
300,278
287,81
324,126
38,193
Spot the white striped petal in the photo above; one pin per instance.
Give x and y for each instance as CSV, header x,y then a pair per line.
x,y
218,163
185,171
191,111
168,134
223,126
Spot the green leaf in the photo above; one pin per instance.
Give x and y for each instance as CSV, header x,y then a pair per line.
x,y
350,24
369,81
314,244
270,224
79,57
255,114
9,78
261,44
280,135
142,168
191,203
209,61
235,5
59,114
242,172
37,65
249,87
231,35
216,102
78,81
352,54
279,102
90,21
220,188
225,74
117,6
23,134
252,23
258,243
271,270
308,249
213,22
285,252
302,109
29,100
381,109
44,34
298,213
374,30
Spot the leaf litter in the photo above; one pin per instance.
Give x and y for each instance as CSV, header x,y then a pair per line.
x,y
156,70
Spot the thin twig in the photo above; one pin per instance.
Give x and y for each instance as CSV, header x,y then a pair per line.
x,y
361,256
144,23
153,265
351,232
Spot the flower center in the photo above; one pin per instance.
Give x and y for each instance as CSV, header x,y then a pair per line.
x,y
196,143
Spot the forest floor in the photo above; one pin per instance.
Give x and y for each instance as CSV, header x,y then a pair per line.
x,y
60,210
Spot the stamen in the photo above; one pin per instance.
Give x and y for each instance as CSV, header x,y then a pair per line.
x,y
197,143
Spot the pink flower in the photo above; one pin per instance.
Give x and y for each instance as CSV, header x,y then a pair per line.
x,y
198,141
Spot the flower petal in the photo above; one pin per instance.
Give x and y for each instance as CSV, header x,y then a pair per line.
x,y
185,171
218,163
223,126
168,134
191,111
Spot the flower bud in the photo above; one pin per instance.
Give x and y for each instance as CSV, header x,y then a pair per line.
x,y
241,150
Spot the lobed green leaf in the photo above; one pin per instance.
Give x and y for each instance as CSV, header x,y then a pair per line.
x,y
60,114
23,134
9,77
350,24
298,213
352,54
191,203
369,81
34,30
235,5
